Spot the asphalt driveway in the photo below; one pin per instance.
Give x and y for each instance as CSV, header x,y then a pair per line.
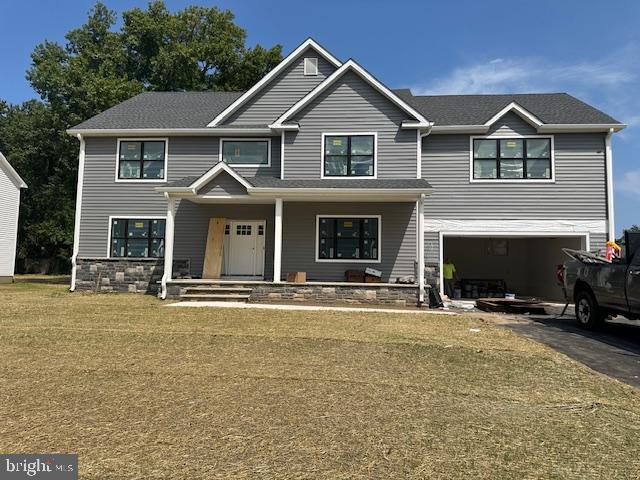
x,y
614,350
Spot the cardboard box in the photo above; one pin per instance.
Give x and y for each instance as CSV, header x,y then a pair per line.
x,y
355,276
297,277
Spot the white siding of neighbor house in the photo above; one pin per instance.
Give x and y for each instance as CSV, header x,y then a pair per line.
x,y
9,205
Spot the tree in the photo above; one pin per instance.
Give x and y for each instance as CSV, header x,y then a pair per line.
x,y
196,48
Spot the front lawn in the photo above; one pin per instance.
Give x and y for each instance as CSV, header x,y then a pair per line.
x,y
140,390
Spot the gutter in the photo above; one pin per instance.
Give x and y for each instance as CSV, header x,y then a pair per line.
x,y
110,132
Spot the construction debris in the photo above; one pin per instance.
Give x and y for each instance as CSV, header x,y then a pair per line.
x,y
503,305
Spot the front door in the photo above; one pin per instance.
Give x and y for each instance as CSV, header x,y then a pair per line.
x,y
244,247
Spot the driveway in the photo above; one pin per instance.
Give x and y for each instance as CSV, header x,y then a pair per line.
x,y
614,350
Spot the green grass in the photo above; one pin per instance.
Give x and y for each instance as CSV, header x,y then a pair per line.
x,y
141,390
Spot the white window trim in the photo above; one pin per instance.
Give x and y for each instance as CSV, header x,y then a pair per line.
x,y
309,73
525,181
335,260
350,134
128,217
141,180
246,139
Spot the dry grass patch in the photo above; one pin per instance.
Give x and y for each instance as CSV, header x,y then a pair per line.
x,y
141,390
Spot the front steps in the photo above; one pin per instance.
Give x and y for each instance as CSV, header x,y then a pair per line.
x,y
216,293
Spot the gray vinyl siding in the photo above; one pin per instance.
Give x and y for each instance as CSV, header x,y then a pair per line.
x,y
192,224
102,196
511,124
351,105
282,92
398,241
9,202
223,184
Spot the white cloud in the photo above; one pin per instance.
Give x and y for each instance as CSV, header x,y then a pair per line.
x,y
630,183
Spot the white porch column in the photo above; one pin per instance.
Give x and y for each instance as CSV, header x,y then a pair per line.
x,y
277,248
420,245
168,244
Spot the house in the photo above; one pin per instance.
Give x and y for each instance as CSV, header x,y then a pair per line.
x,y
10,186
320,168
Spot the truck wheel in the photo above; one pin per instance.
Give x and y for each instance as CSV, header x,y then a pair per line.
x,y
588,313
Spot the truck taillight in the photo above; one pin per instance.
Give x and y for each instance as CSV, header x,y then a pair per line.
x,y
560,273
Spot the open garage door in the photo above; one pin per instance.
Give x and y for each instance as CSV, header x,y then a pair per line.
x,y
524,265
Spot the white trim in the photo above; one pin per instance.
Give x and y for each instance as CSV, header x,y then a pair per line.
x,y
134,217
580,127
246,139
443,129
515,136
312,71
335,260
277,247
609,172
282,134
169,231
76,226
11,172
213,173
506,226
350,134
502,234
521,111
420,246
271,75
146,132
418,154
351,65
142,180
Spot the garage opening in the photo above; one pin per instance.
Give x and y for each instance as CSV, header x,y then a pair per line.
x,y
490,266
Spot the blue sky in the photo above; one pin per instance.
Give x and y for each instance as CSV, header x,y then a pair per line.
x,y
590,49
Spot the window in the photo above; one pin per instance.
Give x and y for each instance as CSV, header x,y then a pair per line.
x,y
512,158
349,155
245,152
311,66
138,238
141,159
348,239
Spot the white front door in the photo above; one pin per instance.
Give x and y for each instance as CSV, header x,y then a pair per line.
x,y
244,248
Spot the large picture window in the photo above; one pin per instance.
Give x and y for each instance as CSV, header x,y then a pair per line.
x,y
137,237
141,159
245,152
349,155
512,158
349,238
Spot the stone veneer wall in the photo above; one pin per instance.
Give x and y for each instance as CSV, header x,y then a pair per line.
x,y
122,274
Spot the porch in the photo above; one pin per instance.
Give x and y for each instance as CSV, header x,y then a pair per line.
x,y
263,233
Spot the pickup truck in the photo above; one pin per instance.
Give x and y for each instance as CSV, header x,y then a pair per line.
x,y
600,288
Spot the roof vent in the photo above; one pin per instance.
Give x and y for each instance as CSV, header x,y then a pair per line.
x,y
311,66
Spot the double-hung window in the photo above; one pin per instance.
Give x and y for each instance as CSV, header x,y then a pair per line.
x,y
142,159
349,156
512,158
137,237
348,238
247,153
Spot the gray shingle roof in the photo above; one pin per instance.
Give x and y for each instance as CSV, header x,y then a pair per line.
x,y
197,109
477,109
163,110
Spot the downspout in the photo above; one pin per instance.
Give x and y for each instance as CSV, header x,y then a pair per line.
x,y
168,248
76,228
609,167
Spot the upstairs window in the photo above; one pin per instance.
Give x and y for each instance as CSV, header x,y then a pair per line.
x,y
137,237
349,155
311,66
512,158
142,159
246,153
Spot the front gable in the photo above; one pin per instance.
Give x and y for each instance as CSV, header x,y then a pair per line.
x,y
223,185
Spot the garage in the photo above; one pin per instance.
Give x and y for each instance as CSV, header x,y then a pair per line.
x,y
490,265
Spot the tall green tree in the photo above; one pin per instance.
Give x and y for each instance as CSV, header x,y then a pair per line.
x,y
98,66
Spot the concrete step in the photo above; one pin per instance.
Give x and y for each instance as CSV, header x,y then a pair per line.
x,y
215,297
216,289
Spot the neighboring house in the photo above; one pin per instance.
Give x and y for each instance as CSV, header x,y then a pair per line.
x,y
10,186
320,168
